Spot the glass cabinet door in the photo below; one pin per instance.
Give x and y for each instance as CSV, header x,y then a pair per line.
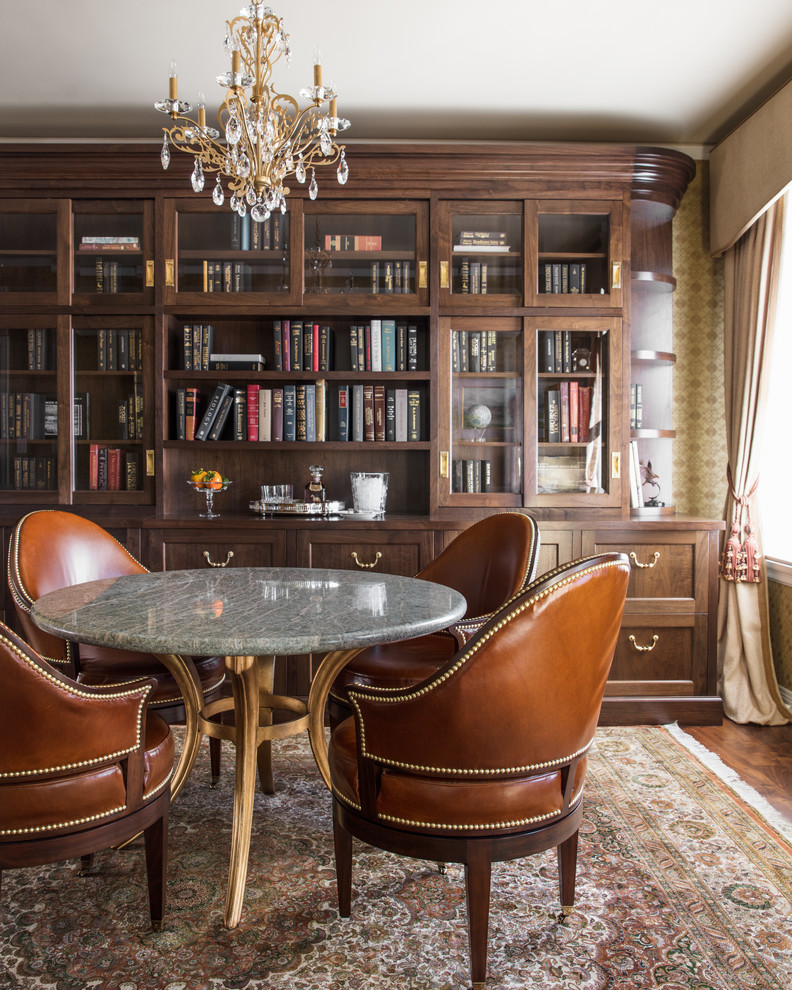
x,y
32,254
482,423
113,254
113,409
217,253
29,407
372,249
576,413
481,253
575,253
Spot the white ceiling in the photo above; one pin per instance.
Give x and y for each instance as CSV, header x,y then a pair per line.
x,y
677,72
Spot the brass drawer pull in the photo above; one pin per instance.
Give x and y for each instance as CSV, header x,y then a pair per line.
x,y
655,558
366,566
644,649
211,563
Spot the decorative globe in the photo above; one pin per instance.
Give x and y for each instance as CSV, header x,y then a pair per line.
x,y
478,417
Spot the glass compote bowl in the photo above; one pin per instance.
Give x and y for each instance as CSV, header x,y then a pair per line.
x,y
210,493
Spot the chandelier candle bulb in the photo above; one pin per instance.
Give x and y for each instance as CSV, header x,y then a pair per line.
x,y
173,81
317,71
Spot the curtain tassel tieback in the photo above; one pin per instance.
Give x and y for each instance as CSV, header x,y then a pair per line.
x,y
741,560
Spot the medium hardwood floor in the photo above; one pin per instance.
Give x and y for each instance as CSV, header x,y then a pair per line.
x,y
761,755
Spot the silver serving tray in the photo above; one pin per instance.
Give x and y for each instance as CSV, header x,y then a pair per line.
x,y
298,508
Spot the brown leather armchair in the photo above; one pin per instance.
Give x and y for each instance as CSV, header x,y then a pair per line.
x,y
485,759
52,549
487,563
81,768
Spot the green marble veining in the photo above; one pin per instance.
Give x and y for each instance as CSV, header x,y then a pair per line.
x,y
243,611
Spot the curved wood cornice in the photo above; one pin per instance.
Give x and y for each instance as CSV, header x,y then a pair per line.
x,y
654,174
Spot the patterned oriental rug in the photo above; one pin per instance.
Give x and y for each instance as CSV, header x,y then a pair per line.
x,y
681,885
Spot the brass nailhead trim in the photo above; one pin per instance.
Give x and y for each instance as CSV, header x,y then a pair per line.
x,y
76,691
460,828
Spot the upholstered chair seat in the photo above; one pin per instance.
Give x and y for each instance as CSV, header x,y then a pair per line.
x,y
81,768
487,563
485,759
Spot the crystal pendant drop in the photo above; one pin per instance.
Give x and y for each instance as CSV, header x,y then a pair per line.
x,y
326,144
259,213
234,201
300,170
250,196
283,204
241,207
343,170
197,177
217,193
165,153
243,166
313,189
233,130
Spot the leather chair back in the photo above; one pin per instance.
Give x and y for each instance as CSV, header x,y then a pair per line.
x,y
52,549
489,561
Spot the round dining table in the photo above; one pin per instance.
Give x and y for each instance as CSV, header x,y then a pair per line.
x,y
249,615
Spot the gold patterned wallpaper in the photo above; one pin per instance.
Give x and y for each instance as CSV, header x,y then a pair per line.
x,y
699,416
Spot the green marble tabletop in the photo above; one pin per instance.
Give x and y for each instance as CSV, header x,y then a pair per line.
x,y
242,611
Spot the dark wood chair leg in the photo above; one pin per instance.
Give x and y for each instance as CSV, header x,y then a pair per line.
x,y
343,857
156,843
86,862
215,750
567,871
478,871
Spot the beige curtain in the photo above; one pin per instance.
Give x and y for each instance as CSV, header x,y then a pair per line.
x,y
749,687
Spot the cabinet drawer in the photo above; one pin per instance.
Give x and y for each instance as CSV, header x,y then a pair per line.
x,y
192,549
391,552
660,655
668,571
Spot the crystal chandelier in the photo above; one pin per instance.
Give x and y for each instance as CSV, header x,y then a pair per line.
x,y
265,136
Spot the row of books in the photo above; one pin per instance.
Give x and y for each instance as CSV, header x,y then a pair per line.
x,y
560,278
108,274
568,413
226,276
249,235
559,355
474,350
98,243
119,350
391,277
40,349
473,277
28,472
302,345
636,406
363,412
383,345
27,416
353,242
110,469
130,415
471,475
482,239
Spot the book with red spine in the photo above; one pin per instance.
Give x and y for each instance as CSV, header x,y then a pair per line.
x,y
253,411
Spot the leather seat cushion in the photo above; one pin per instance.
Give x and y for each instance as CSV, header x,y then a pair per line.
x,y
450,805
101,665
87,795
400,664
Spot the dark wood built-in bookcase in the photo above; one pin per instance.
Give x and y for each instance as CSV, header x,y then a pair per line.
x,y
470,320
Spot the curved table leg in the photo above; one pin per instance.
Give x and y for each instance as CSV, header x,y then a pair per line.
x,y
244,682
186,676
323,679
